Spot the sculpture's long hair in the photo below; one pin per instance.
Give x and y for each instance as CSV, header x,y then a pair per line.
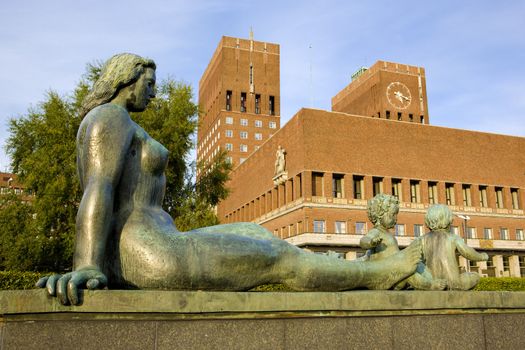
x,y
119,71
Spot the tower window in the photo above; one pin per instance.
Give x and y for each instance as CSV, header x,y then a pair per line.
x,y
257,104
243,101
377,185
410,118
387,114
396,188
399,115
228,100
499,197
337,185
358,187
449,194
422,119
271,105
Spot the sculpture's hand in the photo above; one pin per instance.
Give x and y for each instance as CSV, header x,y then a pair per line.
x,y
66,286
376,241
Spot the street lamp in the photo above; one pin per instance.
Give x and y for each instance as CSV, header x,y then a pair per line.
x,y
465,219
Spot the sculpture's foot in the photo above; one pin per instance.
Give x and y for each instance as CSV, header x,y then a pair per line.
x,y
385,273
438,284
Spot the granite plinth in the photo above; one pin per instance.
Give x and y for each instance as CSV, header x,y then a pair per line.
x,y
114,319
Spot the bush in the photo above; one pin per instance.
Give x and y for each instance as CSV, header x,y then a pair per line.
x,y
501,283
19,279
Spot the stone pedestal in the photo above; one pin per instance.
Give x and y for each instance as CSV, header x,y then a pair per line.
x,y
222,320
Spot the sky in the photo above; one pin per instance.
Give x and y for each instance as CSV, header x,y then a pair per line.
x,y
473,51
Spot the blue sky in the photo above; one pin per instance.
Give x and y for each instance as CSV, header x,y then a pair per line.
x,y
473,51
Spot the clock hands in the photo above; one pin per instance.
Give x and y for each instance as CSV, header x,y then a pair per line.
x,y
401,97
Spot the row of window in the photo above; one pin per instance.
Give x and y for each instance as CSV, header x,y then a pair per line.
x,y
415,191
360,228
257,103
244,134
244,122
400,116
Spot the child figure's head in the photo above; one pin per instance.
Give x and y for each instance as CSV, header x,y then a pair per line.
x,y
382,210
438,218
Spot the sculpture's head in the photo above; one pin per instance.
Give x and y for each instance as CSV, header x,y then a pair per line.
x,y
123,72
438,218
382,210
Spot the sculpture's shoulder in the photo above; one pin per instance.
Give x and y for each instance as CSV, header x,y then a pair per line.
x,y
108,113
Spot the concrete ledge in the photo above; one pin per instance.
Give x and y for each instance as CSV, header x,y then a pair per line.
x,y
200,302
113,319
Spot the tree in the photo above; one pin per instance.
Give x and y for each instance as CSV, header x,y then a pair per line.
x,y
42,149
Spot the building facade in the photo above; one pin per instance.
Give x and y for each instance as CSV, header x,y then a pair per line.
x,y
310,181
239,98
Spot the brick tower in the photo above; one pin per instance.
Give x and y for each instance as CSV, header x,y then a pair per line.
x,y
239,99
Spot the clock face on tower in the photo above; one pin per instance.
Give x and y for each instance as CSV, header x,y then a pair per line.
x,y
398,95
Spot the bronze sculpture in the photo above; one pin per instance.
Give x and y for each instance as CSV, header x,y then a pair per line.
x,y
382,212
439,248
125,238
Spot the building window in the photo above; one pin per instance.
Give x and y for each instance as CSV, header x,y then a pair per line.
x,y
400,230
396,188
337,185
243,101
243,148
471,232
467,200
377,185
504,233
422,119
410,118
432,192
229,133
272,125
228,100
454,230
340,227
258,136
317,184
360,228
244,122
319,226
229,120
487,233
243,134
257,104
499,197
519,234
229,147
449,194
229,160
514,193
258,123
358,187
387,114
418,230
399,115
414,192
483,201
271,105
241,160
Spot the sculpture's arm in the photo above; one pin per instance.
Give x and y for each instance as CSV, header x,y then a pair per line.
x,y
102,149
371,239
469,252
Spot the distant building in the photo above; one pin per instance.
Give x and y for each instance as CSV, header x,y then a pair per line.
x,y
310,181
9,184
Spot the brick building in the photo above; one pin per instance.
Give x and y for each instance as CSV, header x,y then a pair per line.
x,y
377,138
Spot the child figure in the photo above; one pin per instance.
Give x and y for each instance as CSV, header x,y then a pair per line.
x,y
382,212
439,250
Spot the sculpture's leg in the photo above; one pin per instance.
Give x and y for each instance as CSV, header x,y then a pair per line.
x,y
318,272
467,281
423,280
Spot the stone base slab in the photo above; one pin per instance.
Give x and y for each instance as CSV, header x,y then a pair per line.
x,y
115,319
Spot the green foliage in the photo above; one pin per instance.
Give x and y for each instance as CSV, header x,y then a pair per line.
x,y
501,283
41,144
19,279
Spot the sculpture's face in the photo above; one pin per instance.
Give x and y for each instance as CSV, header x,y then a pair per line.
x,y
142,91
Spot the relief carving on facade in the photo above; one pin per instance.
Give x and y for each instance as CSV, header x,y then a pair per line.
x,y
280,175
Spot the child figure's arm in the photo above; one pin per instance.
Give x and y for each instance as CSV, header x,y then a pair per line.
x,y
371,239
468,252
